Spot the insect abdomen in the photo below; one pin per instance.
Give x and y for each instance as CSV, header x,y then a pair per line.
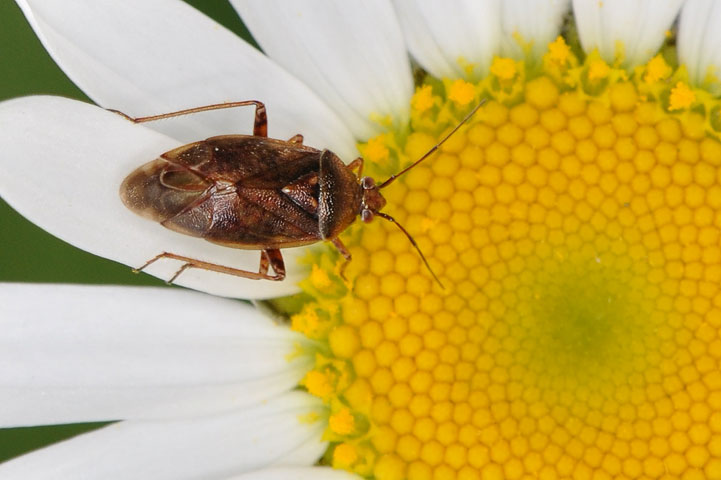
x,y
228,214
159,191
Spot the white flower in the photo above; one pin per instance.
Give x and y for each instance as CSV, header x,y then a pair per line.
x,y
203,386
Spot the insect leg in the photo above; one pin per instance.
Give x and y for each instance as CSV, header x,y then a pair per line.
x,y
276,261
264,262
147,264
273,256
260,125
180,270
297,139
346,254
357,163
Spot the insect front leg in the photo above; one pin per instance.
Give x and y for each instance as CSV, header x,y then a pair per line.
x,y
357,163
346,254
260,125
269,257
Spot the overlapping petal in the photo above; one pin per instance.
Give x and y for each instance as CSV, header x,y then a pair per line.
x,y
633,30
529,25
350,53
279,432
63,162
699,42
81,353
297,473
147,58
452,39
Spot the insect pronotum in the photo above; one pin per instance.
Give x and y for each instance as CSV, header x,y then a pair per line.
x,y
257,193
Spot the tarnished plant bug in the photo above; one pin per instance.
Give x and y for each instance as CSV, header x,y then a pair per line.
x,y
257,193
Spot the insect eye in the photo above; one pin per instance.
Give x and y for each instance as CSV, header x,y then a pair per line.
x,y
367,183
366,215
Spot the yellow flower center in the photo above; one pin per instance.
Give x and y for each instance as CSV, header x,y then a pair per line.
x,y
575,226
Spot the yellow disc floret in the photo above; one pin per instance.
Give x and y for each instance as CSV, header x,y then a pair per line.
x,y
574,223
317,384
559,51
681,97
503,68
342,422
376,150
423,99
461,92
657,69
344,455
598,69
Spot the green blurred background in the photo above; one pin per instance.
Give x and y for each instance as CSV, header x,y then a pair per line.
x,y
27,253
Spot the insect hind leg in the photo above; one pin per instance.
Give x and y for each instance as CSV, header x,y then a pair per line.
x,y
268,258
260,124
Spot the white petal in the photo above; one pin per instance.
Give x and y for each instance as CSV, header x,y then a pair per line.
x,y
301,453
217,446
297,473
79,353
62,164
351,54
699,41
531,21
638,27
446,36
147,58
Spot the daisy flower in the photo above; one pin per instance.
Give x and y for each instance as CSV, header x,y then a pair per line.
x,y
574,222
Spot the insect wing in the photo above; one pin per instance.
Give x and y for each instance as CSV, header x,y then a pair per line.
x,y
229,190
256,161
160,190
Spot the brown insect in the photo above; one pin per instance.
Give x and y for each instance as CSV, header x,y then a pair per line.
x,y
256,193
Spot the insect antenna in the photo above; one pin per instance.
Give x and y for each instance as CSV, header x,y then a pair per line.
x,y
435,147
413,242
427,154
